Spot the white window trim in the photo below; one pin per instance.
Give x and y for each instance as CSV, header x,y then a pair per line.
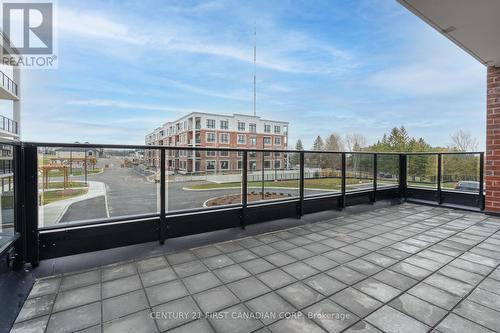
x,y
279,167
220,138
215,165
214,122
279,138
270,139
244,139
250,163
220,164
220,153
244,126
270,164
206,137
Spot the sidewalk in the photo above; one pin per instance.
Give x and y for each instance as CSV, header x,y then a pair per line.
x,y
53,212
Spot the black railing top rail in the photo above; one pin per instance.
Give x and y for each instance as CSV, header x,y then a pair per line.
x,y
153,147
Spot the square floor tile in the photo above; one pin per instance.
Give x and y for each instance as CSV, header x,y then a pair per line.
x,y
363,266
434,295
276,278
158,276
189,268
279,259
75,319
139,322
207,251
345,274
121,286
231,273
242,255
215,299
296,324
238,321
218,261
300,270
123,305
36,307
270,304
415,307
321,263
165,292
453,324
180,257
45,287
391,320
248,288
325,284
182,311
151,264
330,316
479,314
80,280
397,280
200,282
36,325
76,297
257,266
118,271
299,295
197,326
356,301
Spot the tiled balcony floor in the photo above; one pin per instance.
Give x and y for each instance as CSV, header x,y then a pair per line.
x,y
406,268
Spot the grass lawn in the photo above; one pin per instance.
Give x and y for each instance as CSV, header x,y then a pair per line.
x,y
51,196
75,172
321,183
69,184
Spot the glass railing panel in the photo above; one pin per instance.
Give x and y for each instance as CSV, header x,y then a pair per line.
x,y
322,173
359,172
460,172
7,226
387,170
270,177
422,170
203,178
76,184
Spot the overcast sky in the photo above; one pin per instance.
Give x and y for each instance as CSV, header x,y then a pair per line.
x,y
126,67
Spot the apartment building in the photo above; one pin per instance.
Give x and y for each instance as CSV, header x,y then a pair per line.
x,y
209,130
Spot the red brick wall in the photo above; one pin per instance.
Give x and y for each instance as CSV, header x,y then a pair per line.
x,y
492,169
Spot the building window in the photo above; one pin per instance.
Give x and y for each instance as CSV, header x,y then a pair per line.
x,y
211,137
240,164
224,165
253,141
224,138
267,128
241,126
277,154
224,124
267,153
224,154
277,141
241,139
211,153
240,154
277,129
252,165
210,165
210,123
253,128
252,154
267,164
277,164
267,140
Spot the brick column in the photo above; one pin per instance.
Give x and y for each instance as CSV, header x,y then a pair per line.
x,y
492,168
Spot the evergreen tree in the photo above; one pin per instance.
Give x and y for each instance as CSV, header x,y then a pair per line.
x,y
295,157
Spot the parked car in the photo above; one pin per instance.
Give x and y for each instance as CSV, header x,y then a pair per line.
x,y
467,185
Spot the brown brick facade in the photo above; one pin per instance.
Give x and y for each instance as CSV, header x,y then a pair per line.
x,y
492,168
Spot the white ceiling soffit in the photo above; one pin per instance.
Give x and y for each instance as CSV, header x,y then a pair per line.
x,y
474,25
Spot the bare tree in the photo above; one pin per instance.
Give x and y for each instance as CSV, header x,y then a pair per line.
x,y
463,141
334,142
355,142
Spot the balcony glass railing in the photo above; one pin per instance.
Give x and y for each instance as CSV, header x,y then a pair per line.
x,y
150,192
8,84
8,125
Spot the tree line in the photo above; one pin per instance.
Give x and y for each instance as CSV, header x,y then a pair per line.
x,y
420,167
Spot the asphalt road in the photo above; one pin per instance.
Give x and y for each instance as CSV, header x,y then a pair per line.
x,y
129,193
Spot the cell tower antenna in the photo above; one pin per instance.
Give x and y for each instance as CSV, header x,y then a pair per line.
x,y
254,69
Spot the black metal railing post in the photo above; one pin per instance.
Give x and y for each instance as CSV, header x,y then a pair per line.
x,y
375,173
343,182
300,208
438,179
163,181
20,227
481,181
29,203
244,189
403,175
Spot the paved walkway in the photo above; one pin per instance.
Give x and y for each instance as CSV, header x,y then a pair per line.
x,y
407,268
53,212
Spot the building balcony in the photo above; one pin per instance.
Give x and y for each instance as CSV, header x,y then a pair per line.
x,y
8,88
8,127
332,230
